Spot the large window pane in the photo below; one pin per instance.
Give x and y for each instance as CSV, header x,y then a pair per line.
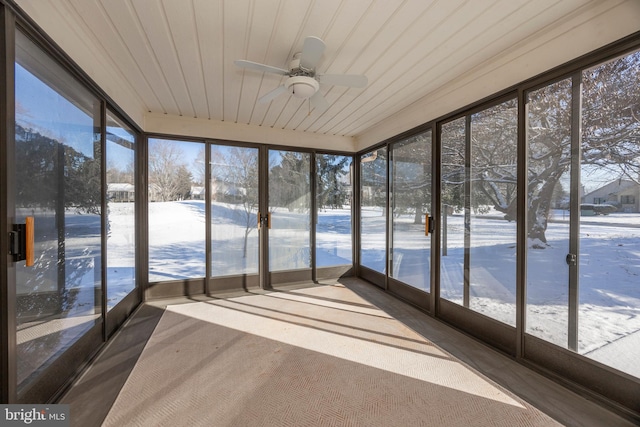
x,y
373,210
609,257
176,210
58,183
290,208
549,142
333,229
234,209
411,198
492,190
454,212
121,235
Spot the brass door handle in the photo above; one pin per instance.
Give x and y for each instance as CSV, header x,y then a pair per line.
x,y
30,237
428,224
22,242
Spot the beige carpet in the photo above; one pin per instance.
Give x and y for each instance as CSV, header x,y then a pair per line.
x,y
317,356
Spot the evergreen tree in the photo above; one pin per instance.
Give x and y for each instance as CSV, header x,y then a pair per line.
x,y
330,170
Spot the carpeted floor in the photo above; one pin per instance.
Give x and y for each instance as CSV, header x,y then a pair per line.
x,y
318,356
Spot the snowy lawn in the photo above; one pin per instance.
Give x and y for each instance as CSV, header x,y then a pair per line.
x,y
609,294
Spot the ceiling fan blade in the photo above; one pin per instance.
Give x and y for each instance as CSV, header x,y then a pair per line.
x,y
319,102
270,96
260,67
312,51
350,80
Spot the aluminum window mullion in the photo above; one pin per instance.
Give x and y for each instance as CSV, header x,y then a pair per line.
x,y
390,203
356,211
313,218
521,223
8,371
207,215
436,212
142,214
574,224
263,208
102,125
388,223
467,209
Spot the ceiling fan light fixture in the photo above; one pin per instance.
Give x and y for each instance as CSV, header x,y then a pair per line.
x,y
302,87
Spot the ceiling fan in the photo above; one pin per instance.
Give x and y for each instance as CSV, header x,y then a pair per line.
x,y
304,82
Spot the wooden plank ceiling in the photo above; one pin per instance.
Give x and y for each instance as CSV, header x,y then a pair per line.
x,y
176,56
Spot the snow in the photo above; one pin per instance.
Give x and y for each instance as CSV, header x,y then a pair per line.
x,y
609,290
120,252
289,240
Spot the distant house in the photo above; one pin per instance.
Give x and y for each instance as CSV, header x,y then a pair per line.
x,y
121,192
197,193
622,193
154,193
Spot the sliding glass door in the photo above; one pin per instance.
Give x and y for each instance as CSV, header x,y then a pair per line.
x,y
176,210
373,210
549,182
609,241
234,210
58,157
584,233
121,212
289,212
411,209
478,205
334,197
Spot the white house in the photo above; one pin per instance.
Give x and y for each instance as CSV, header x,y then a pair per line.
x,y
623,193
121,192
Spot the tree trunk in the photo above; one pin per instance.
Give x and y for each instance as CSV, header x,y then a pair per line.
x,y
540,207
417,219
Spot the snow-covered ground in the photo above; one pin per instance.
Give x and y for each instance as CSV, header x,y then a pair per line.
x,y
609,285
120,252
609,276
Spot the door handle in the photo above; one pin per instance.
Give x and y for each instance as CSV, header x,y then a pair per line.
x,y
428,224
21,241
572,259
264,220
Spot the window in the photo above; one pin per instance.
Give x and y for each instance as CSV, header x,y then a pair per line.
x,y
411,197
176,213
609,296
58,179
549,152
333,195
479,179
373,210
234,209
121,219
454,211
627,200
580,292
290,209
492,222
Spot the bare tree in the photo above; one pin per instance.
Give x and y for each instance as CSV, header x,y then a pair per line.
x,y
199,167
610,142
167,172
235,175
